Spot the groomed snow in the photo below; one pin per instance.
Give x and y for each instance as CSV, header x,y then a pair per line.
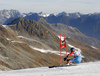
x,y
83,69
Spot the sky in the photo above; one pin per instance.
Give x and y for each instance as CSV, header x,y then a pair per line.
x,y
52,6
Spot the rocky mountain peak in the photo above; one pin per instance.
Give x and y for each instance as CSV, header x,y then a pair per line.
x,y
8,15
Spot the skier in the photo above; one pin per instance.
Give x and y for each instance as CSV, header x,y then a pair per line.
x,y
77,57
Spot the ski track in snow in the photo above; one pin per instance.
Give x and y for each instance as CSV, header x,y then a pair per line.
x,y
83,69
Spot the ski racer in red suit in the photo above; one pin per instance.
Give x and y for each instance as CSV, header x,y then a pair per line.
x,y
77,56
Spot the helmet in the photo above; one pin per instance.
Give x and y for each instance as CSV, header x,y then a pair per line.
x,y
72,49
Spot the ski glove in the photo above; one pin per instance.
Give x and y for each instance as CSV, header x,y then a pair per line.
x,y
66,57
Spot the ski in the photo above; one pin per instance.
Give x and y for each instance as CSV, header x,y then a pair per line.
x,y
65,65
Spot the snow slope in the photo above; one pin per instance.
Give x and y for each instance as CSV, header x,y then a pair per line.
x,y
83,69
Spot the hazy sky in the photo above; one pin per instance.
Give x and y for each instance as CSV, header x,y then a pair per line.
x,y
52,6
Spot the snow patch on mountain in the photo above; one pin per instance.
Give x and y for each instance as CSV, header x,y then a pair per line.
x,y
72,15
79,50
43,50
43,14
4,26
28,38
94,47
62,38
14,40
48,51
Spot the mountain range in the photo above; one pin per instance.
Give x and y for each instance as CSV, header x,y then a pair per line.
x,y
88,24
8,15
21,40
71,32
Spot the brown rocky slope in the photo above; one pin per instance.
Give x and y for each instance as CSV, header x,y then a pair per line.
x,y
16,54
20,34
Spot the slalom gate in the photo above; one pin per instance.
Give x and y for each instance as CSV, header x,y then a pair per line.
x,y
62,45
